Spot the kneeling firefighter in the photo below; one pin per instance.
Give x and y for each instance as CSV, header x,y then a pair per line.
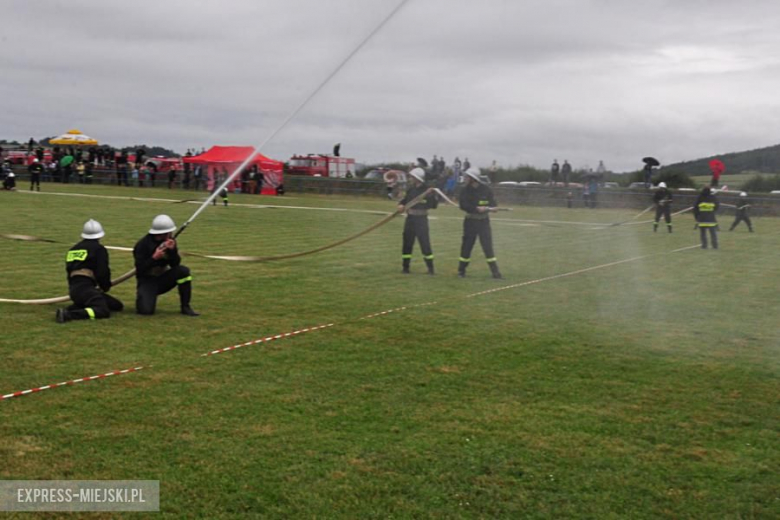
x,y
416,225
158,268
89,278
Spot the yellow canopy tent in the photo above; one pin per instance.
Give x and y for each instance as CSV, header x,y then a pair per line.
x,y
74,137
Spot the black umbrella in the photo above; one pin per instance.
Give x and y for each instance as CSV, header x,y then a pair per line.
x,y
422,162
652,161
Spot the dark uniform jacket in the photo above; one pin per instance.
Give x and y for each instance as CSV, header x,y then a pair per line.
x,y
742,205
145,265
89,254
662,196
704,210
431,201
35,168
473,197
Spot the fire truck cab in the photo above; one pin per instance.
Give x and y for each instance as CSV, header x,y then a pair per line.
x,y
321,166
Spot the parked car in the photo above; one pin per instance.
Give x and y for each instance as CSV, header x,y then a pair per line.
x,y
636,185
611,185
508,184
377,174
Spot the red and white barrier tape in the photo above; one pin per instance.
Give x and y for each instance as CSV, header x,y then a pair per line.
x,y
399,309
267,339
72,382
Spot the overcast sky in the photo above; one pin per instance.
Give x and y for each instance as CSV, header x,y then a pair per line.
x,y
519,82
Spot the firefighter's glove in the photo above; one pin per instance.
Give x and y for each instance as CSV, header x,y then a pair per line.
x,y
159,252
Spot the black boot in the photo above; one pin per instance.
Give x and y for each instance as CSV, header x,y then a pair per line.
x,y
405,267
62,316
494,270
429,264
187,311
185,293
655,227
669,227
462,269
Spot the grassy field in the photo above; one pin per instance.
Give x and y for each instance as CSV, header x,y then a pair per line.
x,y
733,181
616,373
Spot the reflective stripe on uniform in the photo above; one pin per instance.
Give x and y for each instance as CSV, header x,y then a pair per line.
x,y
77,255
184,280
90,312
465,259
406,256
707,224
494,259
706,206
429,257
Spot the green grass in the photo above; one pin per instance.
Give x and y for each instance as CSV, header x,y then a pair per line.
x,y
733,181
645,389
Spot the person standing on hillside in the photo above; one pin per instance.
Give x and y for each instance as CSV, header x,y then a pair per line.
x,y
704,211
555,171
89,278
416,225
742,212
662,199
477,201
566,172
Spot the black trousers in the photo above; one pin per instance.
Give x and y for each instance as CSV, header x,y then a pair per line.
x,y
713,230
35,180
473,228
149,287
416,226
666,211
89,302
742,217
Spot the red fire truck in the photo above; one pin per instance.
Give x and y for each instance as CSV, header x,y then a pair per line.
x,y
317,165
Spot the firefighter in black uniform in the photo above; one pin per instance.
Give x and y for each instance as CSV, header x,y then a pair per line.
x,y
663,206
704,210
158,268
9,183
477,201
742,212
416,225
35,169
89,278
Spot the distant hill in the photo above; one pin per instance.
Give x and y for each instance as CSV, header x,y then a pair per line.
x,y
762,160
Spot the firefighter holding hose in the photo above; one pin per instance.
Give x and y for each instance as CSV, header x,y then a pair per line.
x,y
478,202
89,278
416,225
158,268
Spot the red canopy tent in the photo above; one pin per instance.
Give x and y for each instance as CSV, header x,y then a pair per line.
x,y
223,160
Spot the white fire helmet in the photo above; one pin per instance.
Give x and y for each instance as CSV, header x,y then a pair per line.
x,y
743,194
418,173
11,174
92,229
162,224
474,174
662,185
